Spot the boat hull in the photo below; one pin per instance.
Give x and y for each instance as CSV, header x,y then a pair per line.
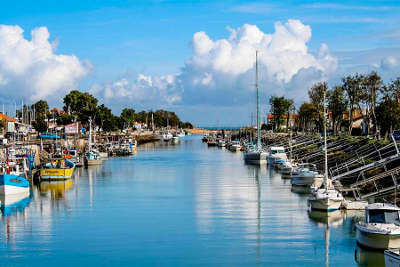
x,y
301,189
392,259
378,241
103,155
93,162
306,181
12,184
235,148
56,174
325,204
255,158
12,190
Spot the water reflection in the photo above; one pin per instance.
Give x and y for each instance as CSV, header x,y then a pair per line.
x,y
55,189
14,203
366,257
328,219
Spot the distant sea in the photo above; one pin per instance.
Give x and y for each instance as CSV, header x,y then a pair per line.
x,y
221,127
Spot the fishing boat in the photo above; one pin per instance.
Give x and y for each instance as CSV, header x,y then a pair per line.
x,y
325,197
13,184
57,169
392,257
92,159
256,155
381,228
205,138
74,156
13,179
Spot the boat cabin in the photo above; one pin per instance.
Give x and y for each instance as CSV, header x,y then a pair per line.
x,y
382,213
276,150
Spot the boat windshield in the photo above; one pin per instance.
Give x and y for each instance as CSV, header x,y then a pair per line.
x,y
384,216
277,151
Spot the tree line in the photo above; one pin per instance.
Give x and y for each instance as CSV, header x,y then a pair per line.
x,y
82,106
357,96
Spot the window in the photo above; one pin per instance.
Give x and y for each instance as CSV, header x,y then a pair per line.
x,y
383,216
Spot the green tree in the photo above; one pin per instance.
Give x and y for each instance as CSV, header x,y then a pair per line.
x,y
316,95
65,119
308,114
388,115
279,107
41,110
337,105
352,87
105,119
83,105
371,85
128,116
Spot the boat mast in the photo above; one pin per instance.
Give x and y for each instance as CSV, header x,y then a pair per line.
x,y
167,124
90,134
325,146
258,108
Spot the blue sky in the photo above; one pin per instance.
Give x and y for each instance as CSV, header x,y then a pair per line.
x,y
122,39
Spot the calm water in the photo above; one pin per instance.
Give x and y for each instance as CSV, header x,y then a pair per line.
x,y
175,205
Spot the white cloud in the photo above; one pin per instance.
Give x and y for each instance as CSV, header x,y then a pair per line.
x,y
222,72
389,62
143,90
31,69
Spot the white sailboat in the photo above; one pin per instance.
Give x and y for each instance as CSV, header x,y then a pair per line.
x,y
167,136
326,197
92,157
257,155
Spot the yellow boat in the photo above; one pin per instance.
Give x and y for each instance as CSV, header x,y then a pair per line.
x,y
57,169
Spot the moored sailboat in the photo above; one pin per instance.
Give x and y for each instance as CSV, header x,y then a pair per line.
x,y
256,155
92,157
326,197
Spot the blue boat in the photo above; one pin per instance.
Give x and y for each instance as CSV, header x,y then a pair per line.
x,y
13,184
